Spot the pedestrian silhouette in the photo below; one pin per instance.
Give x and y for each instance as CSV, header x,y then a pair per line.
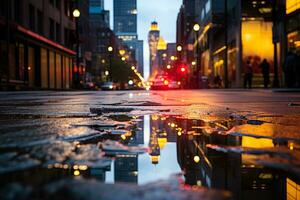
x,y
290,69
265,68
218,81
248,75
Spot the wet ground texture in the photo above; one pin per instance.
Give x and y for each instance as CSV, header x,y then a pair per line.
x,y
212,144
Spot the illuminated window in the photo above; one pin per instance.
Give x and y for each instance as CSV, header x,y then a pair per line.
x,y
292,5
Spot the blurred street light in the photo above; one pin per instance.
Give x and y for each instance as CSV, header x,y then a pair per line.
x,y
123,58
106,73
76,15
122,52
196,27
168,66
110,48
133,67
130,82
179,48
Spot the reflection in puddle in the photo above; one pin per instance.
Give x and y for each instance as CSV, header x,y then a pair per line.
x,y
246,166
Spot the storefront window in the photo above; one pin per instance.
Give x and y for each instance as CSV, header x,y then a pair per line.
x,y
52,69
254,34
44,68
58,71
21,66
292,5
67,73
31,66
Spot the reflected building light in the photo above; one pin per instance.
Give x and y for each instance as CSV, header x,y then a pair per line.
x,y
83,167
75,167
146,129
76,173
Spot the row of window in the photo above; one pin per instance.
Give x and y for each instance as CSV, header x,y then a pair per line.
x,y
36,23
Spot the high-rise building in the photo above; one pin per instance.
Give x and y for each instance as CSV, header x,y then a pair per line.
x,y
125,27
100,38
125,19
153,38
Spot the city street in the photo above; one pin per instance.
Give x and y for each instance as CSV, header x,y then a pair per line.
x,y
183,144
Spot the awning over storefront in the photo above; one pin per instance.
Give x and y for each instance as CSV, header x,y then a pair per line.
x,y
44,40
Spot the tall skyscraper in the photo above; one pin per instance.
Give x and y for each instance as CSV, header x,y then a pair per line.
x,y
125,27
125,19
153,38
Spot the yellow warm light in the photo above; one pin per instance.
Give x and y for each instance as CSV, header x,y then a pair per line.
x,y
76,13
196,159
110,49
168,66
83,167
172,57
162,45
133,67
123,137
122,52
162,142
154,159
123,58
256,143
196,27
76,173
154,26
75,167
292,5
292,189
179,48
257,39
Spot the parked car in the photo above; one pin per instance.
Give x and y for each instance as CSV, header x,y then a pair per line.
x,y
108,86
160,83
174,85
89,85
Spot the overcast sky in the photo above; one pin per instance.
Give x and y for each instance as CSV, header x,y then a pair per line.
x,y
163,11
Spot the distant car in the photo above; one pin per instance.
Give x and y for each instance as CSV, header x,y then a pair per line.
x,y
108,86
174,85
89,85
160,83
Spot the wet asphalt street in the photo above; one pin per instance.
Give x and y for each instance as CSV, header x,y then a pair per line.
x,y
205,144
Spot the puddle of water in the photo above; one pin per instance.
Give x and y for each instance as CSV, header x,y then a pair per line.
x,y
199,150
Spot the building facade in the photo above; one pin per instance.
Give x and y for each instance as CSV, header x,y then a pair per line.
x,y
125,27
231,33
100,38
36,43
153,38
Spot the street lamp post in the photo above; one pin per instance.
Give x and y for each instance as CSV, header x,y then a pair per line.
x,y
196,29
275,40
179,50
226,45
110,50
76,15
